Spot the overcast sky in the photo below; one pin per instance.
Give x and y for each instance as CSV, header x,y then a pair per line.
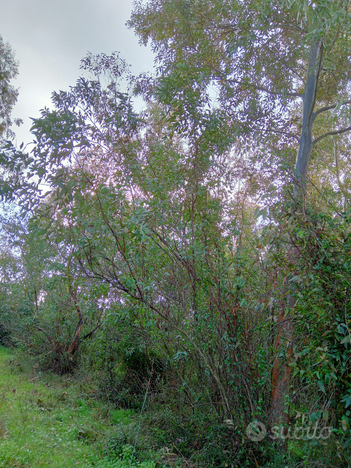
x,y
50,38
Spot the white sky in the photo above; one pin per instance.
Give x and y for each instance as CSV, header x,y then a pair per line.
x,y
51,37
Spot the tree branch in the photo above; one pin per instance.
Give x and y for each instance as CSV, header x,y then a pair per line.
x,y
326,108
88,335
333,132
43,331
266,90
257,87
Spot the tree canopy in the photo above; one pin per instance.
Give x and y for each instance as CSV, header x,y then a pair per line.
x,y
8,94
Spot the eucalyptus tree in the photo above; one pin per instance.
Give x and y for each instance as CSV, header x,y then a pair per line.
x,y
138,202
280,71
8,94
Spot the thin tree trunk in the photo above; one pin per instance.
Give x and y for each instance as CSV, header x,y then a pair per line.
x,y
36,300
308,116
72,346
281,374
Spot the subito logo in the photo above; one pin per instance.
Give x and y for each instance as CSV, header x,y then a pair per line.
x,y
256,431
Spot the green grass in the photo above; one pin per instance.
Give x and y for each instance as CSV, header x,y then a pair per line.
x,y
51,421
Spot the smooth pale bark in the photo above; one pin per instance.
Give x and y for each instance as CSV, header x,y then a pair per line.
x,y
308,116
285,327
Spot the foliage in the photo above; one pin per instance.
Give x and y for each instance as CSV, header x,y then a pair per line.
x,y
39,307
202,269
124,361
254,55
8,94
152,235
175,274
321,359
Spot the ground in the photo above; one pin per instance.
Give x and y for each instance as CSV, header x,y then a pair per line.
x,y
57,422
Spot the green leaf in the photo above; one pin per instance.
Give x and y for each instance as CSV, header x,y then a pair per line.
x,y
347,401
315,416
347,339
347,443
321,386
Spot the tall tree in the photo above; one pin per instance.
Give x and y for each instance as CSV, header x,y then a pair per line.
x,y
8,94
278,67
281,71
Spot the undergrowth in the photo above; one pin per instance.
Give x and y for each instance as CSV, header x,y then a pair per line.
x,y
52,421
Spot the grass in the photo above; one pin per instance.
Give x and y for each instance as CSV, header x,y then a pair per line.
x,y
51,421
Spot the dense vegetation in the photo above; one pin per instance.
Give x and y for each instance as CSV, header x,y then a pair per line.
x,y
194,258
54,421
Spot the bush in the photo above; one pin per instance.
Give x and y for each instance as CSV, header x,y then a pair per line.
x,y
124,362
5,336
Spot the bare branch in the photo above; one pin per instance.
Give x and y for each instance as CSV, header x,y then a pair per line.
x,y
281,132
326,108
334,132
42,330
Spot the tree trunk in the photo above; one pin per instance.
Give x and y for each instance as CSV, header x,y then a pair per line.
x,y
281,373
285,326
73,344
308,116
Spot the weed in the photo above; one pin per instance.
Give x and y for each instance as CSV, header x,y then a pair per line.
x,y
49,423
